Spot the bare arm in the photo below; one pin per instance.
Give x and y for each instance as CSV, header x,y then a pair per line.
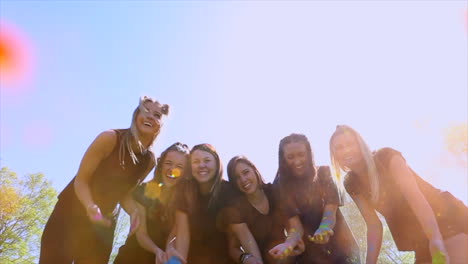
x,y
182,232
236,253
293,240
325,231
374,228
142,234
246,239
101,147
418,203
130,206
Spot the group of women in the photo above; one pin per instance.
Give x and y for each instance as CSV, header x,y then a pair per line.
x,y
189,214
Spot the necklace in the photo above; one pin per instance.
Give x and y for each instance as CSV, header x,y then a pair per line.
x,y
263,206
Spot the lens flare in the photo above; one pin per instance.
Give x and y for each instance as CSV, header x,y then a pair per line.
x,y
15,59
175,173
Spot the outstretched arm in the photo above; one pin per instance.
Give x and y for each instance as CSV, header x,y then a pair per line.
x,y
374,228
293,245
244,237
145,241
421,208
101,147
182,234
325,230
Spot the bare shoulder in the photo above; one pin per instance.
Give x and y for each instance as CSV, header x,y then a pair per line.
x,y
106,141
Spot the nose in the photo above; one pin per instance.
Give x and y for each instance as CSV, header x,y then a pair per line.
x,y
202,164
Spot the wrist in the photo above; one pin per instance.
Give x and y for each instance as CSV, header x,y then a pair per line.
x,y
91,206
244,256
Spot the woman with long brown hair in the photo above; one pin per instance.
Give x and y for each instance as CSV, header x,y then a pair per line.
x,y
199,236
253,218
155,200
310,200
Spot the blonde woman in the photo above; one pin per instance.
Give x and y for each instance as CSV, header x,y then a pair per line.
x,y
421,217
81,226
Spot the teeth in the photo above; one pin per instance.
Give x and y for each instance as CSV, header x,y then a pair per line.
x,y
148,124
246,186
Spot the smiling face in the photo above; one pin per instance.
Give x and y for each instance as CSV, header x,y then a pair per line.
x,y
203,166
148,120
295,155
246,178
346,151
173,167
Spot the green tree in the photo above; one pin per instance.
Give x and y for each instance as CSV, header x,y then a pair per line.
x,y
25,205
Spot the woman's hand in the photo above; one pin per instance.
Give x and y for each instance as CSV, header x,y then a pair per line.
x,y
322,235
253,260
282,250
172,252
95,216
299,248
161,256
438,252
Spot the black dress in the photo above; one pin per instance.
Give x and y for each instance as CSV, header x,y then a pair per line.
x,y
69,235
451,214
308,203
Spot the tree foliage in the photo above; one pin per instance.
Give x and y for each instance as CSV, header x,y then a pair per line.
x,y
25,205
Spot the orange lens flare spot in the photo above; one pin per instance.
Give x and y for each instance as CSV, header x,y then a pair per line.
x,y
176,173
15,58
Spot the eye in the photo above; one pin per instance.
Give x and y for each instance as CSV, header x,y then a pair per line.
x,y
157,115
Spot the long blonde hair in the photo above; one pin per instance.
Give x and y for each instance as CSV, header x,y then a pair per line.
x,y
372,172
134,134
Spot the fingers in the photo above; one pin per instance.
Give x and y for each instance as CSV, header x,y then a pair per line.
x,y
179,256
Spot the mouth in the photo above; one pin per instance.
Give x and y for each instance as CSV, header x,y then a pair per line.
x,y
299,167
202,172
148,124
246,186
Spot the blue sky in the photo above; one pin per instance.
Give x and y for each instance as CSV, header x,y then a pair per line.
x,y
239,75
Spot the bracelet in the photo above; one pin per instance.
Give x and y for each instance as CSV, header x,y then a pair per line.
x,y
90,206
243,257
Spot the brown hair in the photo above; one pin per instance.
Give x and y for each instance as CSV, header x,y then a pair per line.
x,y
232,167
177,147
213,203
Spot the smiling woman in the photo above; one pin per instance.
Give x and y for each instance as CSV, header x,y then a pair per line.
x,y
310,200
421,218
81,227
198,203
